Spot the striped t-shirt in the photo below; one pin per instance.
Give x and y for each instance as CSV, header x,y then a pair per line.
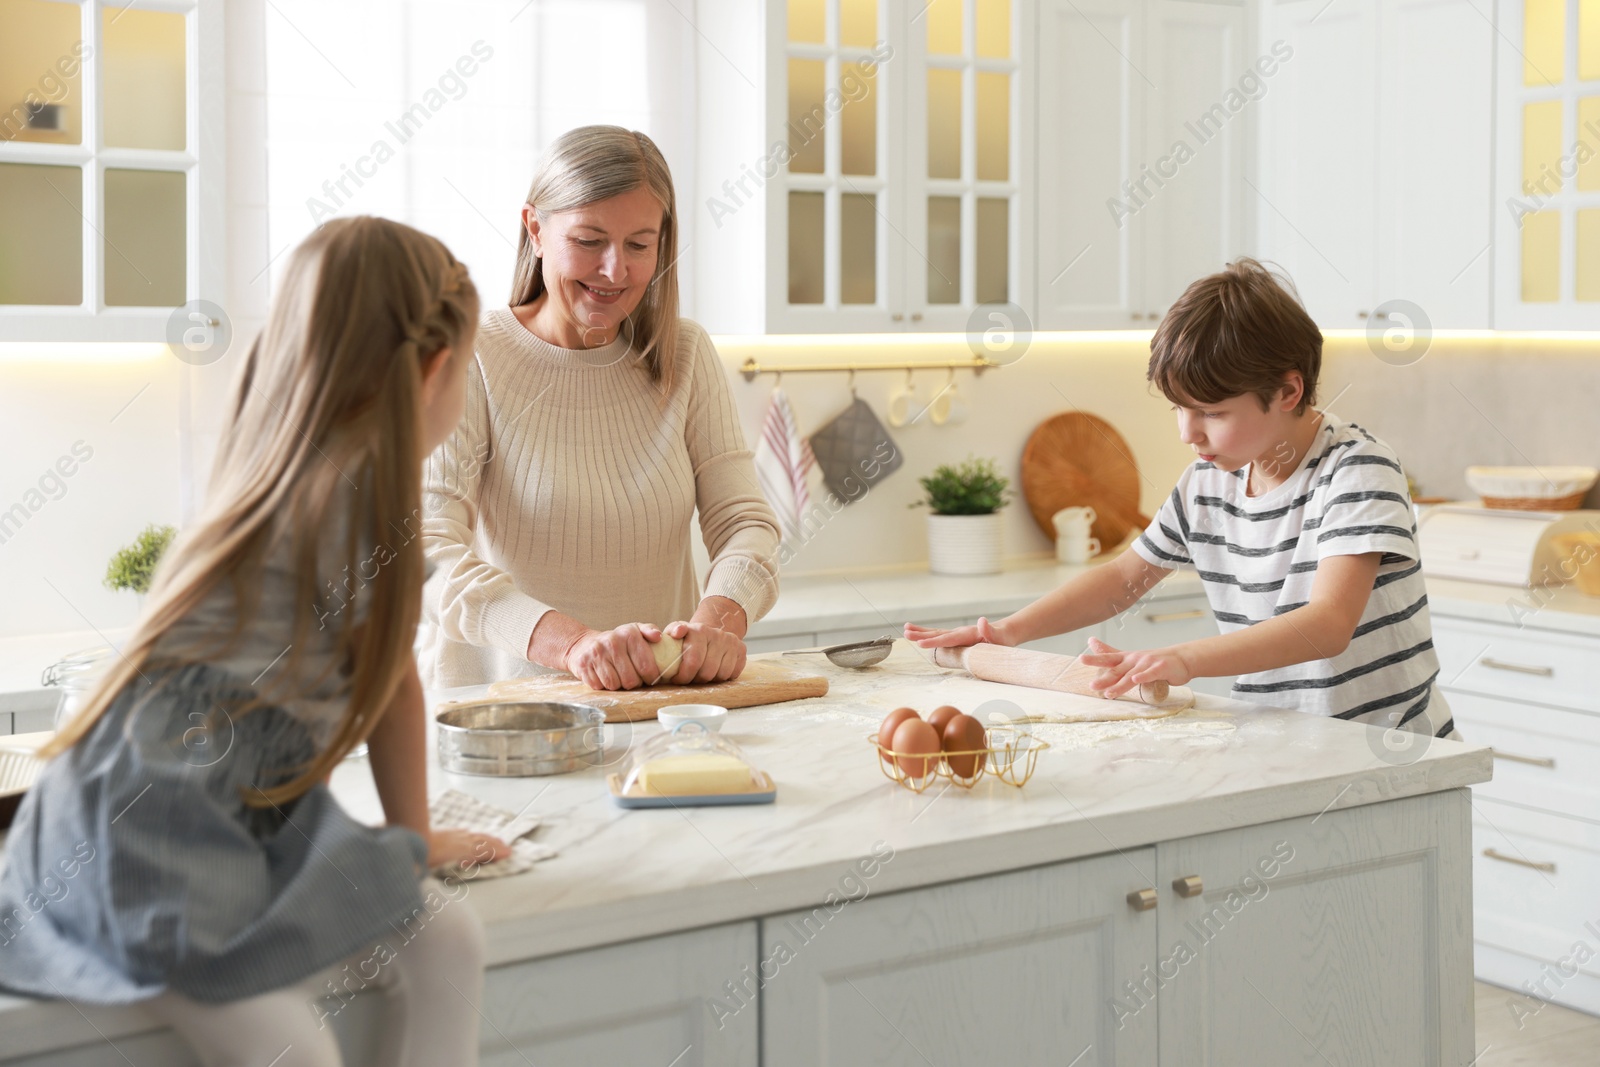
x,y
1257,557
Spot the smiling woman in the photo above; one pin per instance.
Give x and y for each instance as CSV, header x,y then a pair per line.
x,y
598,425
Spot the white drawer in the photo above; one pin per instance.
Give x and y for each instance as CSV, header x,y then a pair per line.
x,y
1534,880
1522,664
1544,757
1159,623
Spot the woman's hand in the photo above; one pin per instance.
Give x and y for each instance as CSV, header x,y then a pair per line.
x,y
465,847
710,653
984,631
614,659
1121,672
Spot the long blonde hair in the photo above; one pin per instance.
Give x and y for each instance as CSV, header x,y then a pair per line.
x,y
594,163
326,417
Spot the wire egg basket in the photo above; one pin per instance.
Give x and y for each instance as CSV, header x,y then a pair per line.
x,y
1009,754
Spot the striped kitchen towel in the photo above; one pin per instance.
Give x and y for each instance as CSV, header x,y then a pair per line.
x,y
783,466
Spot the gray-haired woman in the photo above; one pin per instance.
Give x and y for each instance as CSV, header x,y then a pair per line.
x,y
597,423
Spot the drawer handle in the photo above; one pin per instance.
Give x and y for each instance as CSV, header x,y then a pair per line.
x,y
1190,886
1177,616
1532,761
1142,899
1548,868
1520,668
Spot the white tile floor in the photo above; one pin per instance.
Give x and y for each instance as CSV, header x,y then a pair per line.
x,y
1552,1037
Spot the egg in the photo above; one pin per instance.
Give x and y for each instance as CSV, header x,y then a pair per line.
x,y
963,733
916,739
941,716
890,722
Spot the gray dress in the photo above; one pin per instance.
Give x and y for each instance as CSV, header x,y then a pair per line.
x,y
135,867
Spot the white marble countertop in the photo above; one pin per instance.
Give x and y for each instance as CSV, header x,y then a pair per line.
x,y
623,875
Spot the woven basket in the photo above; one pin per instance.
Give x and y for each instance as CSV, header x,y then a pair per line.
x,y
1571,502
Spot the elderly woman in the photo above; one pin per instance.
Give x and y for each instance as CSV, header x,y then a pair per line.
x,y
597,422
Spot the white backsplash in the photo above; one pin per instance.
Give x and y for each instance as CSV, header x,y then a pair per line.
x,y
1508,400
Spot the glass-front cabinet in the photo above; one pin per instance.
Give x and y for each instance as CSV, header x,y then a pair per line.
x,y
107,160
1547,203
884,159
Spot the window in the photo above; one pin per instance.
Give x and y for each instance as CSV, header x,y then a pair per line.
x,y
434,113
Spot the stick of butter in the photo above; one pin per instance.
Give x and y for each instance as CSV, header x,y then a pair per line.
x,y
679,776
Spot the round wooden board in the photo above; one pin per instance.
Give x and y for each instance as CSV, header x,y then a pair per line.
x,y
1079,460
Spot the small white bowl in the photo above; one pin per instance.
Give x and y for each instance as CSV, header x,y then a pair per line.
x,y
711,716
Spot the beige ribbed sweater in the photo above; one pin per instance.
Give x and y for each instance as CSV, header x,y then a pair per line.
x,y
569,486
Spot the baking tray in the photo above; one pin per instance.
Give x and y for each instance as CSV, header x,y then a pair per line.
x,y
763,791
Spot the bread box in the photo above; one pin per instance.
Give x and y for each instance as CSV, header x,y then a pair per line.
x,y
1481,544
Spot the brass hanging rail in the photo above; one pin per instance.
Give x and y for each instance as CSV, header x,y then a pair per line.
x,y
977,365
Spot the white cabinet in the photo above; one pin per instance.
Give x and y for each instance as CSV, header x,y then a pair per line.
x,y
643,1002
111,167
1318,204
1010,969
1337,938
1320,940
1143,128
1547,135
862,166
1530,695
1375,157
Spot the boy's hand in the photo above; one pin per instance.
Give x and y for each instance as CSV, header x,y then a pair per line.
x,y
983,631
1121,672
466,847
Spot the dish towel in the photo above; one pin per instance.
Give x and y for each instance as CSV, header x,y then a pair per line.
x,y
784,463
458,811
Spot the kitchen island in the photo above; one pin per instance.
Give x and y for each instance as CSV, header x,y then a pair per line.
x,y
1230,886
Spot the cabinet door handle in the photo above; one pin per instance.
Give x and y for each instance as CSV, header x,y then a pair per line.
x,y
1135,316
1177,616
1190,886
916,316
1362,314
1548,868
897,317
1532,761
1142,899
1520,668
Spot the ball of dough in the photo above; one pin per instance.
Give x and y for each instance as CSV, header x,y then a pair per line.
x,y
669,655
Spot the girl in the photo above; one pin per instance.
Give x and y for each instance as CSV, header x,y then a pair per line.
x,y
213,876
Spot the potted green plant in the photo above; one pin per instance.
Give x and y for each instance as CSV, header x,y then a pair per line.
x,y
964,521
134,565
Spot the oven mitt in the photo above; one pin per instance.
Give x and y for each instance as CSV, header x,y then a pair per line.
x,y
855,452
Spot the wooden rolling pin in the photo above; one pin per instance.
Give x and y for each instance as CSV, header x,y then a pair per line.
x,y
1039,670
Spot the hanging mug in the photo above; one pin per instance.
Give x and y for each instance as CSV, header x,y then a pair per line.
x,y
903,406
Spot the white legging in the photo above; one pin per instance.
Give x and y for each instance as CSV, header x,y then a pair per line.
x,y
432,989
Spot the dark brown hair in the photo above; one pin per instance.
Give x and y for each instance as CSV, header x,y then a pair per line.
x,y
1241,330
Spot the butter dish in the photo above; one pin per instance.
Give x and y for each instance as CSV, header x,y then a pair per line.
x,y
690,766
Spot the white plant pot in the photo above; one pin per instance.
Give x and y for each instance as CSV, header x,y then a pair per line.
x,y
964,544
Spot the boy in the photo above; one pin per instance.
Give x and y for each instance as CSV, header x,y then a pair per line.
x,y
1299,524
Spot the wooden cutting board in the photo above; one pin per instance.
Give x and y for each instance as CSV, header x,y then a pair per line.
x,y
1074,460
763,682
